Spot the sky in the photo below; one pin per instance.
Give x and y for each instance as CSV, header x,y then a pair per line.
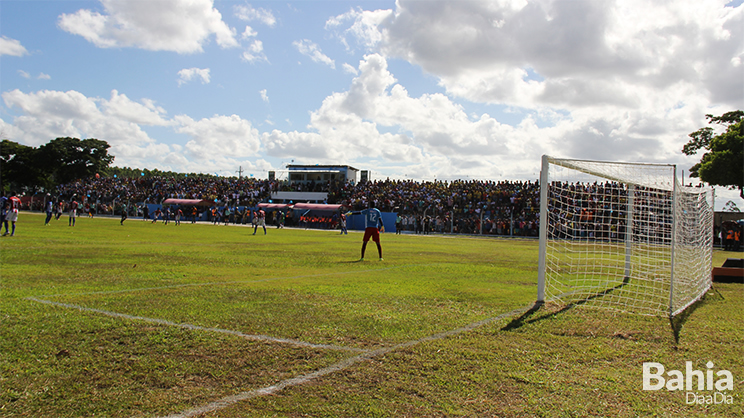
x,y
419,90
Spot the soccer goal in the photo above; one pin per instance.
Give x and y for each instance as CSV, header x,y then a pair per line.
x,y
623,236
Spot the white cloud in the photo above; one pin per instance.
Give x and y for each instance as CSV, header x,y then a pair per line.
x,y
218,137
215,143
119,106
365,27
182,26
249,13
187,74
377,118
312,50
587,79
12,47
52,114
350,69
249,33
254,52
583,52
41,76
624,81
347,125
429,136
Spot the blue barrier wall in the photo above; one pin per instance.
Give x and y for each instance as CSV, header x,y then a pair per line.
x,y
356,222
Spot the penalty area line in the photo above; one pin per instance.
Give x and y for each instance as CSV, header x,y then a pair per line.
x,y
341,365
253,337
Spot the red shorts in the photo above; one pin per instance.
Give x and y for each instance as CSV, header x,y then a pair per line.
x,y
373,233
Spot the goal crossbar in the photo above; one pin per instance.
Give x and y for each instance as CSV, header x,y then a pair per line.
x,y
603,169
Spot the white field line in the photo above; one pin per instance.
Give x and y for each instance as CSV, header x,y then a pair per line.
x,y
158,321
233,399
341,365
253,337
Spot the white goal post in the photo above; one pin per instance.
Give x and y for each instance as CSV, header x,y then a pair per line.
x,y
623,236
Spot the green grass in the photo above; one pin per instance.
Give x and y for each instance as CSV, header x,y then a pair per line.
x,y
72,356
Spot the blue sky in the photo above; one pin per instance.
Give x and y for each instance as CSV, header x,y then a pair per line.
x,y
408,89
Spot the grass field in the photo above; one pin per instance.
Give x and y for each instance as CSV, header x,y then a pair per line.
x,y
201,320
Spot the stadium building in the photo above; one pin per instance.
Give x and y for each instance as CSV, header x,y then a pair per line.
x,y
312,180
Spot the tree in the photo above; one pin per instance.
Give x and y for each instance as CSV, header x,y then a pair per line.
x,y
723,163
20,167
68,159
60,161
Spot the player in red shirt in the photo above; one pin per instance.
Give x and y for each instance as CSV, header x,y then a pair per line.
x,y
372,227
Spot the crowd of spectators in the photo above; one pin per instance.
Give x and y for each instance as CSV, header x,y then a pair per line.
x,y
474,206
580,210
460,206
111,193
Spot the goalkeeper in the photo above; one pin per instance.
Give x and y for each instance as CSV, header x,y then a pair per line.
x,y
372,218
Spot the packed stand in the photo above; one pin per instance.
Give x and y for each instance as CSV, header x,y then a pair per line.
x,y
465,207
109,194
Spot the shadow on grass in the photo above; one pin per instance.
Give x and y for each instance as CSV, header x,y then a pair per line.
x,y
678,321
524,318
351,261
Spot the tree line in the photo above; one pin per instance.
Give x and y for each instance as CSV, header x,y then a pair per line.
x,y
60,161
63,160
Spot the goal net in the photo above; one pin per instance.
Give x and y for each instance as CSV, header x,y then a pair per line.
x,y
623,236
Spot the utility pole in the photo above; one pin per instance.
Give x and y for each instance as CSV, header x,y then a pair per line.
x,y
240,172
